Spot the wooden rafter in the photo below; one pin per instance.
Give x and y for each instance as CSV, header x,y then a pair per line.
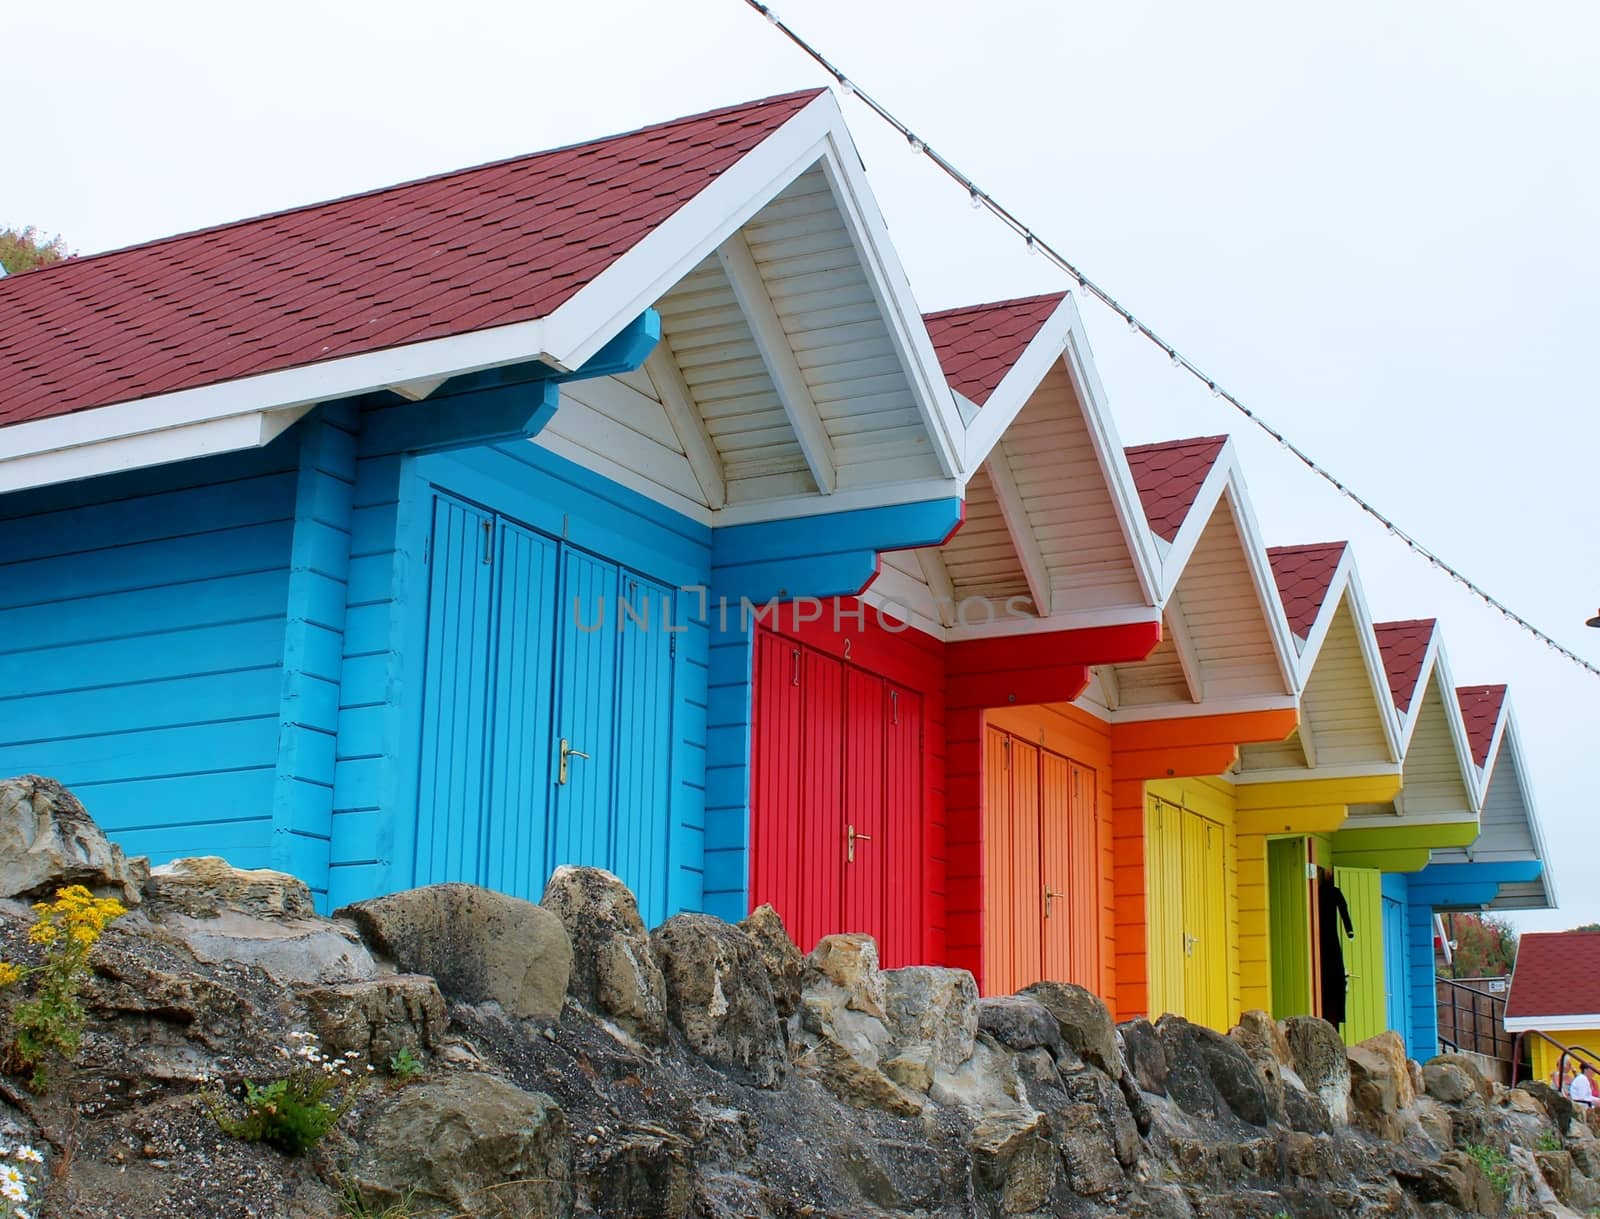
x,y
939,584
778,356
1183,644
688,425
1006,493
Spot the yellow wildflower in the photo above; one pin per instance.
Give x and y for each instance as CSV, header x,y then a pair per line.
x,y
9,973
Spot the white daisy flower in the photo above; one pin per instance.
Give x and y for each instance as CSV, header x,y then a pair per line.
x,y
29,1155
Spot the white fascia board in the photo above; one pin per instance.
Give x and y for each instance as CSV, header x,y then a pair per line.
x,y
1003,406
1510,749
1474,783
1176,557
1255,553
1372,657
893,594
1553,1024
1382,821
1409,717
1217,706
144,449
751,512
1073,620
1141,542
1349,770
1326,613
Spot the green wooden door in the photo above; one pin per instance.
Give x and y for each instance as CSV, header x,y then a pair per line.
x,y
1289,920
1363,955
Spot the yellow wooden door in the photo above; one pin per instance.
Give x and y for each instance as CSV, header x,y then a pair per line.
x,y
1213,902
1164,905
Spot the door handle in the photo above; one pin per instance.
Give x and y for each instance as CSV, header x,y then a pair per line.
x,y
567,751
1049,895
1189,941
850,840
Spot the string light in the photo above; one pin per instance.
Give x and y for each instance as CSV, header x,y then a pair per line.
x,y
1088,288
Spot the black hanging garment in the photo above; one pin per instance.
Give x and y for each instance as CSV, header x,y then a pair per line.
x,y
1331,904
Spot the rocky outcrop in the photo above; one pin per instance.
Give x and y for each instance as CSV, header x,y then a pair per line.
x,y
758,1082
474,1142
481,947
48,841
614,971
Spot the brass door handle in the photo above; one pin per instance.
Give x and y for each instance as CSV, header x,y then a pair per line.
x,y
850,839
1049,895
567,751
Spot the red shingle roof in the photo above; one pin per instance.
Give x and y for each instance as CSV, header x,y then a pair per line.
x,y
1480,708
1168,476
1403,646
978,344
501,243
1557,974
1303,575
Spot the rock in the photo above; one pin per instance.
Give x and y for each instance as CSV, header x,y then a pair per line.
x,y
850,962
643,1173
1447,1082
379,1017
206,887
1380,1084
1014,1157
479,945
1208,1074
1083,1021
1434,1121
720,994
1557,1106
1519,1100
1556,1169
845,1049
1263,1041
1455,1180
934,1007
1093,1088
785,965
1319,1059
1146,1056
1093,1167
1019,1022
613,969
912,1068
474,1142
48,841
292,951
1463,1072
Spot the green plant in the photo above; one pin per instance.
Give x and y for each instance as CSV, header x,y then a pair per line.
x,y
1549,1140
50,1021
295,1112
404,1065
1494,1164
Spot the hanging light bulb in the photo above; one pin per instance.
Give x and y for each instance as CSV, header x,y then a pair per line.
x,y
847,85
1032,245
1133,324
977,198
771,14
1083,287
1177,360
1215,392
916,144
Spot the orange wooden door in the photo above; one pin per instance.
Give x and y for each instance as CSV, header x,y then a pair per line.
x,y
1070,854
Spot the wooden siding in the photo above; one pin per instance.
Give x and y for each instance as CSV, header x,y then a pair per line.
x,y
1069,505
377,772
981,558
1432,768
143,625
620,420
1223,610
1504,834
1339,706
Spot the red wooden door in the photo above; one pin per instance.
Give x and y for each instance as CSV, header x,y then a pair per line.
x,y
866,841
903,852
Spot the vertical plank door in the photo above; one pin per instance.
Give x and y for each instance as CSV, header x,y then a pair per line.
x,y
867,846
516,847
1165,945
586,710
641,808
903,852
777,762
452,763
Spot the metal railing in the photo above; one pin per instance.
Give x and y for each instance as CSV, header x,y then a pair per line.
x,y
1474,1020
1569,1053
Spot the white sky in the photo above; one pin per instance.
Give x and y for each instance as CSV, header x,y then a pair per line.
x,y
1377,223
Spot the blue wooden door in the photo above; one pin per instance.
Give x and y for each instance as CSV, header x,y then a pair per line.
x,y
516,848
533,644
454,748
644,736
1394,964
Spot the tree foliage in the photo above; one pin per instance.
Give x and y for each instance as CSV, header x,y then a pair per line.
x,y
26,248
1486,947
